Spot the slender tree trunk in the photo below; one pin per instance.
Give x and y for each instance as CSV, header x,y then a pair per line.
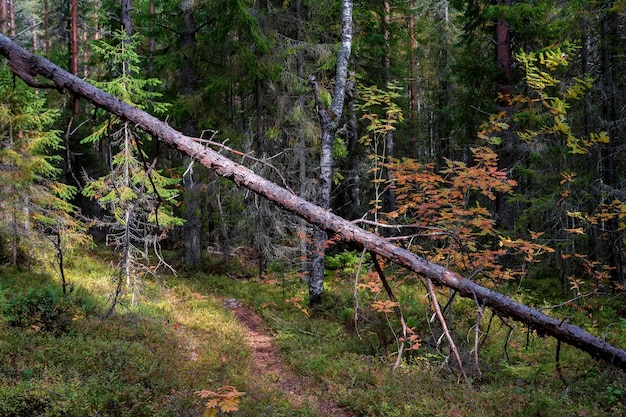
x,y
299,57
35,34
586,50
74,37
127,22
594,155
320,236
74,46
412,78
506,211
4,22
28,66
12,28
96,20
262,226
329,119
302,232
85,53
192,230
302,158
442,146
260,130
354,177
389,145
46,28
151,43
503,56
609,117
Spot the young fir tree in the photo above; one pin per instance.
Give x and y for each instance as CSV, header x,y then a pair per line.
x,y
137,197
31,200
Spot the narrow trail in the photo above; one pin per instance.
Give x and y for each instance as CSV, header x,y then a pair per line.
x,y
269,365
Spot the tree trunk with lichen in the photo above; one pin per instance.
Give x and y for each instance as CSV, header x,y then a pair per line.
x,y
329,121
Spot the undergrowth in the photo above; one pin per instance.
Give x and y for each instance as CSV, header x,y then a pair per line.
x,y
61,358
516,375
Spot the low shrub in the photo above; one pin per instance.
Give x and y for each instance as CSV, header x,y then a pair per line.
x,y
41,309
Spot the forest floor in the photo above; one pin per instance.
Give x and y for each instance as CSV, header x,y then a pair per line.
x,y
195,337
270,367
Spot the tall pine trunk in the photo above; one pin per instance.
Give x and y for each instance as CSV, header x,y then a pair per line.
x,y
74,46
12,28
4,22
389,144
503,56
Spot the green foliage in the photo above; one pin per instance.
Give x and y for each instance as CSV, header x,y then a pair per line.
x,y
381,114
134,365
325,97
31,198
148,362
157,360
380,110
43,309
327,348
539,68
557,194
139,198
125,83
345,260
340,149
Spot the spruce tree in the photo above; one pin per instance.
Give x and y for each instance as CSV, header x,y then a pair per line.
x,y
136,195
32,201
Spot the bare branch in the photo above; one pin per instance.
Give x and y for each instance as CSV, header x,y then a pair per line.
x,y
444,327
396,307
245,156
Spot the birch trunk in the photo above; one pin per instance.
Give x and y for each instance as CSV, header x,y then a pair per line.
x,y
329,119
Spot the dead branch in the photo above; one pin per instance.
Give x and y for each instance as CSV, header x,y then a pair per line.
x,y
444,327
396,307
245,156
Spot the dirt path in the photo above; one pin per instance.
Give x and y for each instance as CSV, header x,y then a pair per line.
x,y
269,365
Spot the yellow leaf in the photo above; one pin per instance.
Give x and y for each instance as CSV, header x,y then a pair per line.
x,y
575,214
210,412
229,404
212,403
578,231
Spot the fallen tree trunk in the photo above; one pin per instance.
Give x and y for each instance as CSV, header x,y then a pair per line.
x,y
30,67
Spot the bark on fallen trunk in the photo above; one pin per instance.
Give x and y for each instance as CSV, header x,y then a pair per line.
x,y
29,67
